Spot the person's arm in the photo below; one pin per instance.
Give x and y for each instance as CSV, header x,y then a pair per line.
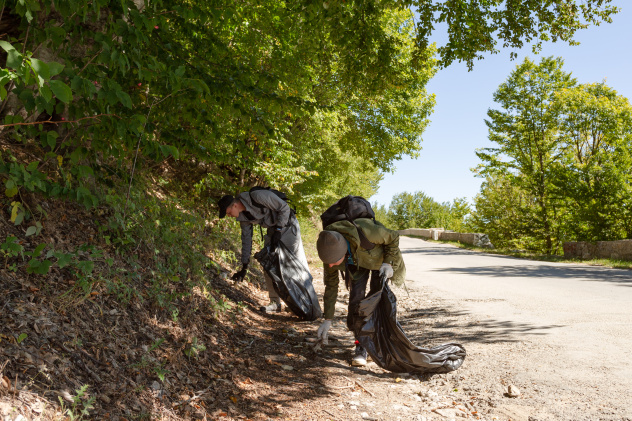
x,y
273,202
246,242
331,279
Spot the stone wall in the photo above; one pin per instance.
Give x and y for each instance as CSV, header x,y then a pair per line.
x,y
475,239
620,249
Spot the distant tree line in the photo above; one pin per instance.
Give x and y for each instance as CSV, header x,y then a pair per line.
x,y
418,210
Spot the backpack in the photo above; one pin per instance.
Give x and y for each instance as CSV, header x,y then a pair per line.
x,y
279,194
350,208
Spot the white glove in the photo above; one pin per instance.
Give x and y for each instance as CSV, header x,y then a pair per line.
x,y
323,331
386,270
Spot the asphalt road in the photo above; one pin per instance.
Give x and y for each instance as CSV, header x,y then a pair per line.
x,y
574,323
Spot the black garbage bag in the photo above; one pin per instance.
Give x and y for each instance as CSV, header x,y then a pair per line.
x,y
292,281
385,341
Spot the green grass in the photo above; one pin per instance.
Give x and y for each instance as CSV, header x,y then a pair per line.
x,y
610,263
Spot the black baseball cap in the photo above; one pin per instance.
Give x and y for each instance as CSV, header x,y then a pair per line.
x,y
224,203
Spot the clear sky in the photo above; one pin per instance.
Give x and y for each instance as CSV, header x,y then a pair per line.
x,y
458,128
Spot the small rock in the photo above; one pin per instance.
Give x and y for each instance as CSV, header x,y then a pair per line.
x,y
354,403
366,416
287,367
513,391
155,385
20,418
104,399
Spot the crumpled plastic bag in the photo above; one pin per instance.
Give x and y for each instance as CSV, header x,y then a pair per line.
x,y
292,281
385,341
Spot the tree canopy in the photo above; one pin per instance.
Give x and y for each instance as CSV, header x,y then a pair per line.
x,y
561,169
316,98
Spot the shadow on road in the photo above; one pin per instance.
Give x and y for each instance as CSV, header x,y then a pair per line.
x,y
546,271
435,325
452,251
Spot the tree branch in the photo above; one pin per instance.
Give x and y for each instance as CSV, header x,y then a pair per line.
x,y
60,122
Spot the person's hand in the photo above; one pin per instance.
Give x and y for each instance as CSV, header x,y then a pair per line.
x,y
323,331
275,239
239,276
386,270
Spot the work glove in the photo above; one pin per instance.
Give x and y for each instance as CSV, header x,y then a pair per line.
x,y
386,270
323,331
275,239
239,276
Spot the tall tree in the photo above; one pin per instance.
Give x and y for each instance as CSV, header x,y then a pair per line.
x,y
504,211
525,128
596,136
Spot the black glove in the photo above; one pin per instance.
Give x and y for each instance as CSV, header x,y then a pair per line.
x,y
239,276
275,239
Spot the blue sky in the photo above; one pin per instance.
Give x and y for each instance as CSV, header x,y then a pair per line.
x,y
458,128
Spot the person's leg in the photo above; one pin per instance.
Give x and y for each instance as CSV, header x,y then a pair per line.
x,y
275,300
376,282
357,293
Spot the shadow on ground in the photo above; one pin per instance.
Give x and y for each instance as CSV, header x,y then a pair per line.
x,y
623,277
435,325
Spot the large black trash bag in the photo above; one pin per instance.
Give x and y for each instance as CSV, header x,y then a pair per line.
x,y
385,341
292,281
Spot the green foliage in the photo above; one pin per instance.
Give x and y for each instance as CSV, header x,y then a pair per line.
x,y
526,131
418,210
81,262
11,249
503,211
561,170
81,405
195,348
304,96
596,136
161,372
475,28
382,215
154,110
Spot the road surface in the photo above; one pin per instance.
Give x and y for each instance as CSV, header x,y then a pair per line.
x,y
561,333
